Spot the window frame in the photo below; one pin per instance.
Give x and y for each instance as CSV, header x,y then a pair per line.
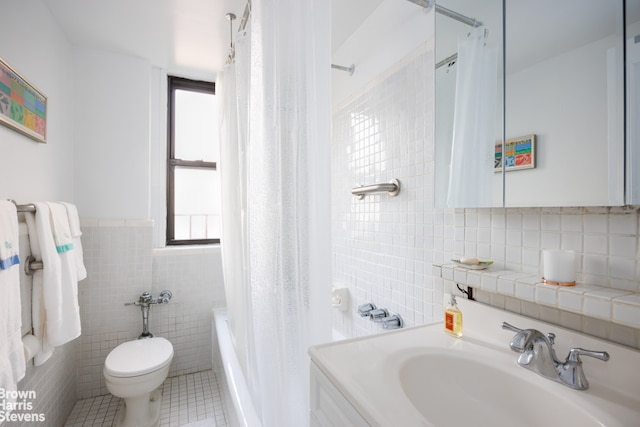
x,y
180,83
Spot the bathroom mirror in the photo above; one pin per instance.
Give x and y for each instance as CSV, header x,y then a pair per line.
x,y
632,14
563,116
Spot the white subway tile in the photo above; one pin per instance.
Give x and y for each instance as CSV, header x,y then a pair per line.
x,y
626,310
547,295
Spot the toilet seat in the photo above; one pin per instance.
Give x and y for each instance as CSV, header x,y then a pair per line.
x,y
139,357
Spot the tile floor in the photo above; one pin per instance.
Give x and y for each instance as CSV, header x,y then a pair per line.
x,y
188,400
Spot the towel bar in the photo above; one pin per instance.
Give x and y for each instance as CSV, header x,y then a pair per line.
x,y
392,188
30,265
24,208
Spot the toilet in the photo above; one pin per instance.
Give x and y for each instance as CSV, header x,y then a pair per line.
x,y
134,371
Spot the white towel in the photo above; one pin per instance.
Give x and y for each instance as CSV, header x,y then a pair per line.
x,y
60,291
12,367
61,294
38,312
60,227
74,226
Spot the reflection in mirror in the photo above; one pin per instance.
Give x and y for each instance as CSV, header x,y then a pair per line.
x,y
468,102
632,14
564,68
563,102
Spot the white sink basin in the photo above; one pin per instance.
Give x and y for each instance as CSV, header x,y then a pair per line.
x,y
423,377
469,390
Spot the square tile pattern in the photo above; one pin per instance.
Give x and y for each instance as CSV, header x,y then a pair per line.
x,y
187,400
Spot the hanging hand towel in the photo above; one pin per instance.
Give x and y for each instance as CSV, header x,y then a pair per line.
x,y
60,295
38,312
60,227
74,226
11,350
8,235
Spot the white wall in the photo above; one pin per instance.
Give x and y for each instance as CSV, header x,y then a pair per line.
x,y
112,131
29,170
32,171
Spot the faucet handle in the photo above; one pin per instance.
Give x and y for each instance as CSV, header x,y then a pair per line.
x,y
392,322
575,353
517,343
511,328
365,309
379,314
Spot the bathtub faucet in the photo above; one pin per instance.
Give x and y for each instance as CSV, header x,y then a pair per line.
x,y
144,302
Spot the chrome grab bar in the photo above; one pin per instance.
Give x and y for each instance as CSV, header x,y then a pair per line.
x,y
392,188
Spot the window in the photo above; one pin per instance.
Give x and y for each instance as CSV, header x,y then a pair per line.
x,y
193,181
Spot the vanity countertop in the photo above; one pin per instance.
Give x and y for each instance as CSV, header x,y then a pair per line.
x,y
415,376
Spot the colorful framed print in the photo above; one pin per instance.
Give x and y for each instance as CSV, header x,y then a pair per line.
x,y
22,106
519,153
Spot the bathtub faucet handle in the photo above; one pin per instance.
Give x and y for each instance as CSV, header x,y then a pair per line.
x,y
392,322
365,310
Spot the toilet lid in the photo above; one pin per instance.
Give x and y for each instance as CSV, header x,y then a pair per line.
x,y
138,357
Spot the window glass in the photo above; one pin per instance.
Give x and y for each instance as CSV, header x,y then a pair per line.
x,y
196,126
197,203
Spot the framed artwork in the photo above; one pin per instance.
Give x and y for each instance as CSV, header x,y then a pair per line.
x,y
519,153
22,107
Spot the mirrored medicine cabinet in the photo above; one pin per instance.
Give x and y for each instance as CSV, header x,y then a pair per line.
x,y
530,103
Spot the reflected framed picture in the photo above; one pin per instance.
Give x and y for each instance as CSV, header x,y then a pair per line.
x,y
519,153
23,107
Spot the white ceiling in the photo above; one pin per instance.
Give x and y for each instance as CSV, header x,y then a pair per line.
x,y
347,16
188,37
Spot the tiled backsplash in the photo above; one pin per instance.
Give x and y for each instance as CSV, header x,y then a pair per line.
x,y
389,250
121,264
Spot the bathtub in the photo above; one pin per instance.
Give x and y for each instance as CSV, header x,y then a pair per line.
x,y
240,411
238,405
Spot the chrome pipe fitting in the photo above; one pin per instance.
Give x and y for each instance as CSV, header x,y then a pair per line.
x,y
144,302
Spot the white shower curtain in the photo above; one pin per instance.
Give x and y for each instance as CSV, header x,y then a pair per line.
x,y
275,166
474,123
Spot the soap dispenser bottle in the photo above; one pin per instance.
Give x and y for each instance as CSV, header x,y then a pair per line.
x,y
453,318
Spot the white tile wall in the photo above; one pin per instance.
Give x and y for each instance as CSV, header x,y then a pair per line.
x,y
387,250
121,264
195,278
54,384
379,242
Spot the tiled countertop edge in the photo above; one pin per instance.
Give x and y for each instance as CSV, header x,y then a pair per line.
x,y
614,305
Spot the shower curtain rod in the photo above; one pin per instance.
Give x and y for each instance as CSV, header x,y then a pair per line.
x,y
350,69
472,22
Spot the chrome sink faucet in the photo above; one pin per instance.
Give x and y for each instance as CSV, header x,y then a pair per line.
x,y
538,355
